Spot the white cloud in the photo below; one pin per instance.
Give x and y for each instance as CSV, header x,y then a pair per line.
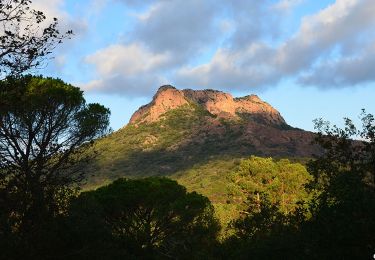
x,y
130,69
178,27
66,21
55,9
336,27
232,69
132,86
286,5
170,38
169,35
127,59
347,71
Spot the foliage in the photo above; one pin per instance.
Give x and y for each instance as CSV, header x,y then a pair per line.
x,y
146,218
178,146
271,198
281,181
45,127
211,179
342,212
264,233
24,42
180,139
343,220
275,208
173,146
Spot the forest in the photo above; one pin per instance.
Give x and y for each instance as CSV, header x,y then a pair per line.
x,y
321,207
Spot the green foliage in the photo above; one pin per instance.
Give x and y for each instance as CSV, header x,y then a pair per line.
x,y
182,143
262,210
268,208
211,179
342,211
281,181
146,218
170,147
180,139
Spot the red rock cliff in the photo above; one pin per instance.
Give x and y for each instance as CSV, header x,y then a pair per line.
x,y
216,102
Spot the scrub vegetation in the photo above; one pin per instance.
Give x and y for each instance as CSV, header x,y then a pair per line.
x,y
184,187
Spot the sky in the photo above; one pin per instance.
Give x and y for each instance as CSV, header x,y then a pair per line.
x,y
307,58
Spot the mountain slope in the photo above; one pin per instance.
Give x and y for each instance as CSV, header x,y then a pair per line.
x,y
181,130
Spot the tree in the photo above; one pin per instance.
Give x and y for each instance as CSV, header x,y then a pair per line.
x,y
281,181
264,233
146,218
271,196
24,43
45,128
343,213
340,223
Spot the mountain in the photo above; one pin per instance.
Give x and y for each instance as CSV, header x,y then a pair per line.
x,y
218,104
197,137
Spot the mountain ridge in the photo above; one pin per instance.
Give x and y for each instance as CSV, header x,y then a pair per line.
x,y
217,103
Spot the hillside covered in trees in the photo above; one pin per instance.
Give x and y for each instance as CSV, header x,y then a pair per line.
x,y
248,164
196,174
183,130
189,184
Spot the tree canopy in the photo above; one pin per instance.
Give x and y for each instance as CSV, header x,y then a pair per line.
x,y
45,125
147,218
341,219
343,213
281,181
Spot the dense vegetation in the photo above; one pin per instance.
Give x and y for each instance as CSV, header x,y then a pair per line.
x,y
185,138
233,207
146,218
181,146
45,126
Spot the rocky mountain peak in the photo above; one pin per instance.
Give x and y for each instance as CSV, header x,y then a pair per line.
x,y
218,103
165,88
251,97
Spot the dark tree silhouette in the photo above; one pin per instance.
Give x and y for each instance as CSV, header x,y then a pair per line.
x,y
343,214
152,218
45,126
264,233
24,42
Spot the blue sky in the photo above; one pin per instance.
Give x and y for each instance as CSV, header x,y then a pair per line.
x,y
307,58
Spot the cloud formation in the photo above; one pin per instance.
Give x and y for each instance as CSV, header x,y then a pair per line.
x,y
237,44
338,28
179,27
127,69
350,71
55,9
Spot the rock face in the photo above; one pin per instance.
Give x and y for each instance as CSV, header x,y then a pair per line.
x,y
245,125
167,98
218,103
